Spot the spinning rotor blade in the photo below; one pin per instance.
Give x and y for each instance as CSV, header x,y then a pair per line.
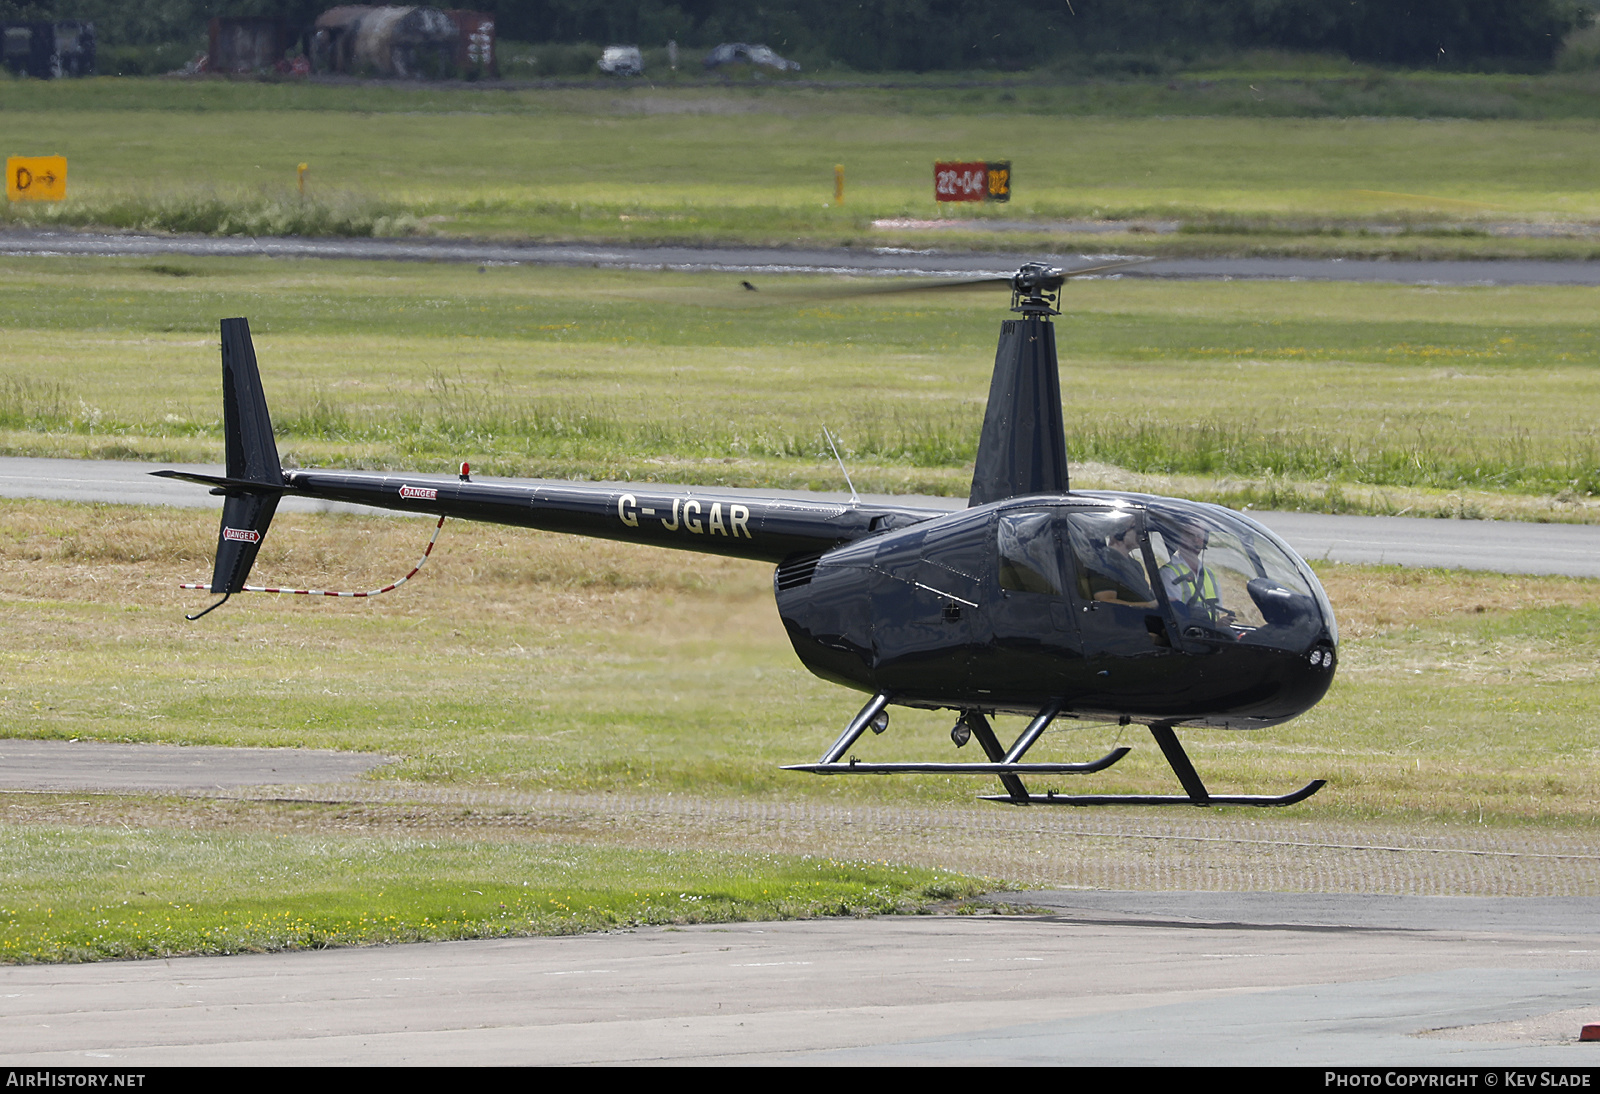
x,y
1116,264
860,287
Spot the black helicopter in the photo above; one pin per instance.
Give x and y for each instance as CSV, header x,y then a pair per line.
x,y
1034,600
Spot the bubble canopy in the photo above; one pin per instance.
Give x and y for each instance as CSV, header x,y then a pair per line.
x,y
1223,571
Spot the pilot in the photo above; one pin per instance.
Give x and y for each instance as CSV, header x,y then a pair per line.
x,y
1190,584
1121,578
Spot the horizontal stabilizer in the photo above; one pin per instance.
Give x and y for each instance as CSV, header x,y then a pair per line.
x,y
222,484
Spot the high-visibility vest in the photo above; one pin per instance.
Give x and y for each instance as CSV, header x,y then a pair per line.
x,y
1197,589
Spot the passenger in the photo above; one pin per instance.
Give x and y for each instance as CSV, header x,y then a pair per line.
x,y
1190,585
1123,580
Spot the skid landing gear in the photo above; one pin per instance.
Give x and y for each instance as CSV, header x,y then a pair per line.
x,y
1195,790
1009,766
1005,763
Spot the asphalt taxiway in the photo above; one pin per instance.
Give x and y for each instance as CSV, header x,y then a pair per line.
x,y
1094,978
106,765
866,261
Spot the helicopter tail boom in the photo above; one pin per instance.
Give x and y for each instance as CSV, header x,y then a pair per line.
x,y
686,518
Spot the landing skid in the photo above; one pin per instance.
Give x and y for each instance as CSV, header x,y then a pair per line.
x,y
854,767
1052,798
1008,765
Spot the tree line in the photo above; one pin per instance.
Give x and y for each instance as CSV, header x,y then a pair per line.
x,y
923,35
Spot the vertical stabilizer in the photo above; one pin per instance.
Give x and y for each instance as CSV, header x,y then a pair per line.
x,y
252,451
244,525
252,458
1023,447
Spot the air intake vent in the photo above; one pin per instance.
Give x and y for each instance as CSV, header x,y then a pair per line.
x,y
797,571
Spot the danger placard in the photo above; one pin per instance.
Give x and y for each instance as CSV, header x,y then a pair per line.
x,y
972,181
36,178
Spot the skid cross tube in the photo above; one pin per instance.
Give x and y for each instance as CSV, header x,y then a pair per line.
x,y
1018,793
1035,729
1179,761
858,725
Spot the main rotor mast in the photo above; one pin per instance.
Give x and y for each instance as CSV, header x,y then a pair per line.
x,y
1023,447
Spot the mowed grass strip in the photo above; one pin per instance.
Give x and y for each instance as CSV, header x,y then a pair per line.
x,y
530,662
1268,393
88,893
756,164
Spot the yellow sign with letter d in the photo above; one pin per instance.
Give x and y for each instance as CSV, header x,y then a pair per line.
x,y
36,178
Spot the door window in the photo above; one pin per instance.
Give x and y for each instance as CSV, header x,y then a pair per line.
x,y
1030,557
1110,562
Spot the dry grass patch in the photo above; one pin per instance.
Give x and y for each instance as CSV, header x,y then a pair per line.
x,y
1370,600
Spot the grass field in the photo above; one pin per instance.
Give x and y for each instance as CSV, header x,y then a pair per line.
x,y
534,663
523,663
755,163
251,882
1467,401
520,663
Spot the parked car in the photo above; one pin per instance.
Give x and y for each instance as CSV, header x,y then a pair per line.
x,y
735,53
622,61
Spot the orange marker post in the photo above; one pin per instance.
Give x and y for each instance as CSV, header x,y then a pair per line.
x,y
838,184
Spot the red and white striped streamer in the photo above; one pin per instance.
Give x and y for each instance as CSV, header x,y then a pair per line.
x,y
327,592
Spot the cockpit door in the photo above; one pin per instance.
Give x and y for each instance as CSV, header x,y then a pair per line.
x,y
927,605
1032,620
1119,605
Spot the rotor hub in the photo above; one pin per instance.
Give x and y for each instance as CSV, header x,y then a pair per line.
x,y
1036,290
